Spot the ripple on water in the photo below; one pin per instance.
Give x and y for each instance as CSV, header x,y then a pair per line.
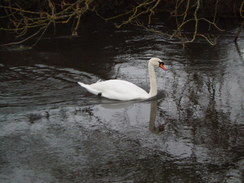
x,y
40,85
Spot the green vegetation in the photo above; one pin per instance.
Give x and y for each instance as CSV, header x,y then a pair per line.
x,y
31,19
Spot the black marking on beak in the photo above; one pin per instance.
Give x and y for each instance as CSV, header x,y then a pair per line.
x,y
161,63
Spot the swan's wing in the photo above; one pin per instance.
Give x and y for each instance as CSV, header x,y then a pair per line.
x,y
119,89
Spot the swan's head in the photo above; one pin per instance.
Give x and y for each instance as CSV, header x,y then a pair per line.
x,y
157,62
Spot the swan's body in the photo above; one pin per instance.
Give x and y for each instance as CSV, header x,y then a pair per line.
x,y
116,89
124,90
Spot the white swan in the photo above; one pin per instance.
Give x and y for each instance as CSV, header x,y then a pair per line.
x,y
124,90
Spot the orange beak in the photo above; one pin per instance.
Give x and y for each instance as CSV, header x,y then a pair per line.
x,y
162,66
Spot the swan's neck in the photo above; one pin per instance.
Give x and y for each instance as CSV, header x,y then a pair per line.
x,y
153,81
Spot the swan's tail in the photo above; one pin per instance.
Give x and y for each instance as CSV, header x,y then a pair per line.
x,y
82,84
89,88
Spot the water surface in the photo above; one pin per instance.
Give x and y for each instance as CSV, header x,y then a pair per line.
x,y
52,130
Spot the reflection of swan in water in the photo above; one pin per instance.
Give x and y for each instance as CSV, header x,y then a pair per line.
x,y
113,104
152,120
109,104
124,90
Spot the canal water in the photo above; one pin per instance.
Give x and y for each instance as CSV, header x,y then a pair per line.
x,y
52,130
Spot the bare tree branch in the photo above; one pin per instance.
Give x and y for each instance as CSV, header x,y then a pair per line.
x,y
27,24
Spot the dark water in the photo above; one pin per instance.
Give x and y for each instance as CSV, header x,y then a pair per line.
x,y
52,130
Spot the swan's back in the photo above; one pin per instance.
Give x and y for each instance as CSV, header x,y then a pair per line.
x,y
117,89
